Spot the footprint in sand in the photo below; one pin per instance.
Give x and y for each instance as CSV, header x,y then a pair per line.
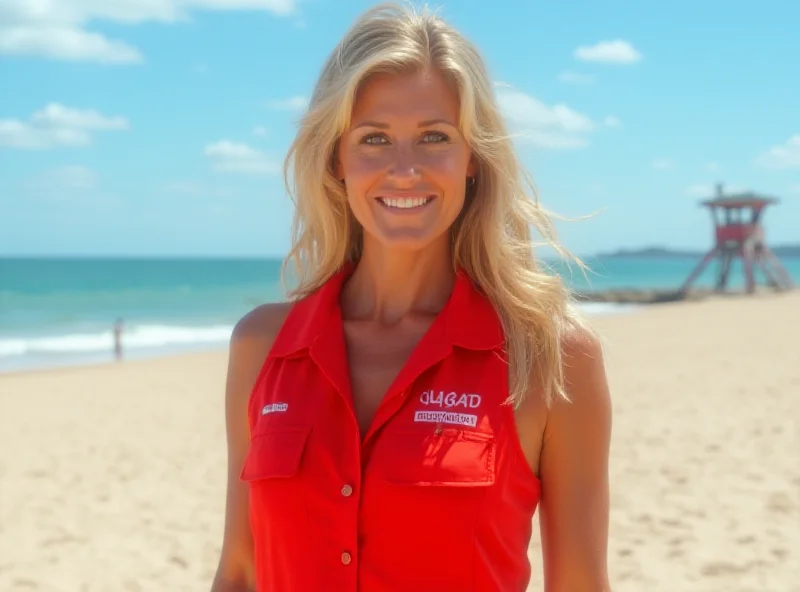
x,y
780,554
721,568
780,503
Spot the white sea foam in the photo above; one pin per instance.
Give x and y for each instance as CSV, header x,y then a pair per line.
x,y
593,309
134,338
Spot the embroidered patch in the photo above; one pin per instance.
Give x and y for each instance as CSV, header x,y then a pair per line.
x,y
274,408
446,417
450,400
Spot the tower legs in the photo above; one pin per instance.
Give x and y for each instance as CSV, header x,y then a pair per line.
x,y
752,256
699,268
784,281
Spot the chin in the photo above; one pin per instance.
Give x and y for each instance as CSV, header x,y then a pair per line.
x,y
408,239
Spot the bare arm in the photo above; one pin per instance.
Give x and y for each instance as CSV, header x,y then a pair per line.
x,y
574,473
251,341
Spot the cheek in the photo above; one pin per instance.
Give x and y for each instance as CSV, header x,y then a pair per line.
x,y
361,174
359,167
450,167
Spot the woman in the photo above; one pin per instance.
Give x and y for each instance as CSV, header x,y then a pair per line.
x,y
397,424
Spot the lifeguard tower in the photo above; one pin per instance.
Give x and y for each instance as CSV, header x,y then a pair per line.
x,y
739,234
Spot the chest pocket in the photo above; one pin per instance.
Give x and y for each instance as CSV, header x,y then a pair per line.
x,y
450,458
275,454
278,497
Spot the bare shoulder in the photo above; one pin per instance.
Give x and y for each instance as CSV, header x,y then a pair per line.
x,y
251,341
574,470
583,364
260,326
588,401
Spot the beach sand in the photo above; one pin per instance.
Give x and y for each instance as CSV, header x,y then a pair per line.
x,y
112,478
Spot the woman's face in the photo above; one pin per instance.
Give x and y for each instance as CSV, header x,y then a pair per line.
x,y
403,160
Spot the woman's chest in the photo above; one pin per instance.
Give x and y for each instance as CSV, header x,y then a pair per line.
x,y
375,359
373,365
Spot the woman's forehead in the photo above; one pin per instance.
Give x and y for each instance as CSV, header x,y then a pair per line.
x,y
419,96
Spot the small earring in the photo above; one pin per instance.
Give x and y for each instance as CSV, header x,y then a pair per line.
x,y
471,181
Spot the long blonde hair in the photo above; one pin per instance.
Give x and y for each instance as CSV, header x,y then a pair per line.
x,y
491,238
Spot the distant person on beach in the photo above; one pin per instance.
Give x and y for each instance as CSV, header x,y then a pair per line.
x,y
370,443
118,328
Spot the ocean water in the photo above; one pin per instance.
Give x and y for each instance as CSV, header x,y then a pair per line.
x,y
61,311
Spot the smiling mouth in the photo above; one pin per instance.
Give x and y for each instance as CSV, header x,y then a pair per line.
x,y
406,203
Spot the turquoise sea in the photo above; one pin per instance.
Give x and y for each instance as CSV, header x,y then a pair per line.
x,y
61,311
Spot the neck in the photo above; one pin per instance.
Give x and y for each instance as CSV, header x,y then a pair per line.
x,y
389,284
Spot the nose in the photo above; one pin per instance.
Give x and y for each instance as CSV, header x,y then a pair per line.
x,y
404,169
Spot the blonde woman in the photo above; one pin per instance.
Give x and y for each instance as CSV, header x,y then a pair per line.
x,y
396,424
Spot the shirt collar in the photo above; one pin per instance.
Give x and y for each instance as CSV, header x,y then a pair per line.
x,y
470,319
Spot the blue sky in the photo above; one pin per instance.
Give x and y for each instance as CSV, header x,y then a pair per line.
x,y
159,127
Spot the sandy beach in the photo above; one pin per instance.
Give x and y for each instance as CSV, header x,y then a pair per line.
x,y
112,478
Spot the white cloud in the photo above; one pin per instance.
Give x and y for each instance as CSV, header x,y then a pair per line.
x,y
713,167
794,190
56,115
65,43
546,126
57,125
296,103
612,121
663,164
617,51
235,157
782,156
568,77
259,131
58,29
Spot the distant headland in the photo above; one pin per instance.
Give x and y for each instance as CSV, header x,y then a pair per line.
x,y
788,250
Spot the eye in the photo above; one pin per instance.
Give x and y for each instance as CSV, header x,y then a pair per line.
x,y
373,139
435,137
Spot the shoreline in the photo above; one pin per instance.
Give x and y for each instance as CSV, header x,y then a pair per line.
x,y
136,359
64,350
650,296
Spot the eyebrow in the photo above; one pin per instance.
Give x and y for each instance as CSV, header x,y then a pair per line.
x,y
381,125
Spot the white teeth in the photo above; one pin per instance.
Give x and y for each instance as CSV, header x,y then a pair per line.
x,y
404,202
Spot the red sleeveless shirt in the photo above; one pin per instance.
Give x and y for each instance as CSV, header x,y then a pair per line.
x,y
437,496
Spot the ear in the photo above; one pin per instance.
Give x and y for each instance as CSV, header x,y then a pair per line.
x,y
472,166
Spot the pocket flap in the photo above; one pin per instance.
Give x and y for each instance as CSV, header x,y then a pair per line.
x,y
453,458
275,454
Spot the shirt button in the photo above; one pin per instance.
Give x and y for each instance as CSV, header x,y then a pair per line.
x,y
346,558
347,491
